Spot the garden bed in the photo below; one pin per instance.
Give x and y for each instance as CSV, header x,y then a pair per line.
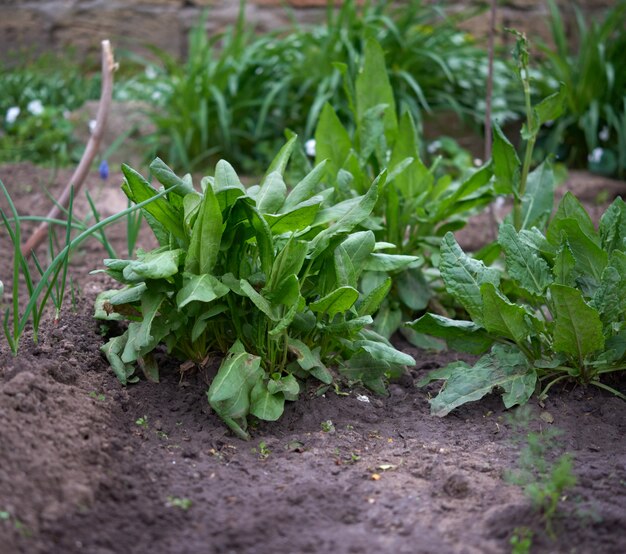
x,y
90,466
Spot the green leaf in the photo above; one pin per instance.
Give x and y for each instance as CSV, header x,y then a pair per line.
x,y
272,194
265,405
551,107
139,190
287,384
279,163
373,87
578,327
154,265
113,350
389,262
610,297
355,215
385,353
169,179
538,198
259,301
337,302
502,318
464,276
226,178
504,367
264,240
332,141
464,336
309,360
229,393
374,298
305,188
200,288
613,227
350,256
289,261
298,218
150,304
523,263
387,320
506,163
413,289
205,236
570,208
564,265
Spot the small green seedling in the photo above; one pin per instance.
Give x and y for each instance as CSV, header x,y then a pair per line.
x,y
263,450
521,541
142,421
97,396
176,502
328,426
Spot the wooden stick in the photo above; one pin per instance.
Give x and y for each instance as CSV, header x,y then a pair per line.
x,y
81,171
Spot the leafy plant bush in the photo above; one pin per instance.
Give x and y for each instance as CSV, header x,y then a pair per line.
x,y
416,206
266,276
569,321
33,103
592,133
270,82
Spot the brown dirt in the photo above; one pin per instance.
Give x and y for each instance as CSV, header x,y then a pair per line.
x,y
78,474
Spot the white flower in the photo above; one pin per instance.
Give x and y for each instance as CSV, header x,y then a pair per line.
x,y
92,126
362,398
35,107
478,162
151,72
12,114
603,135
309,148
434,146
596,155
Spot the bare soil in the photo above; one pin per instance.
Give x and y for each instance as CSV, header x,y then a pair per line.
x,y
78,474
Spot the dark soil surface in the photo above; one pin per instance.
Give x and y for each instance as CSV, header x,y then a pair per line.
x,y
89,466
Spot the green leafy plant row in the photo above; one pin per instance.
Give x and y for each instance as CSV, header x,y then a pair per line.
x,y
569,321
266,276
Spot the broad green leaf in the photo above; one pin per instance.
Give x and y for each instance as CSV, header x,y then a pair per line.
x,y
578,327
332,141
464,336
264,240
132,348
363,367
613,227
200,288
287,384
286,293
138,190
298,218
385,353
229,393
154,265
288,261
149,367
564,265
373,88
413,289
463,276
610,297
570,208
551,107
538,198
309,360
345,328
191,207
350,256
272,194
169,179
102,306
389,262
523,263
226,178
307,187
355,215
128,294
337,302
206,236
388,320
265,405
452,204
279,163
506,163
258,300
502,318
590,258
201,323
150,304
374,298
113,350
504,367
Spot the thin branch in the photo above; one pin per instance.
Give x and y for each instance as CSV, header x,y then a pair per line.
x,y
78,178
